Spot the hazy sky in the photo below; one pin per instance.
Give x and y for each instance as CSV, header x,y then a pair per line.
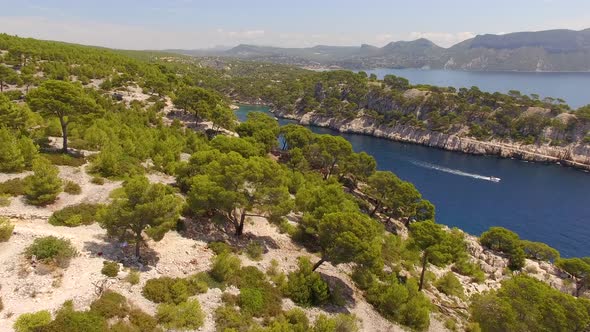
x,y
159,24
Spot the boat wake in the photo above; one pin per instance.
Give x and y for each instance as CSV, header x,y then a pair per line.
x,y
455,171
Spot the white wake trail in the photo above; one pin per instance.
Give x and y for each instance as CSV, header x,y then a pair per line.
x,y
451,171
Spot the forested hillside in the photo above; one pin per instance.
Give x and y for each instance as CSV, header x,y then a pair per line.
x,y
132,200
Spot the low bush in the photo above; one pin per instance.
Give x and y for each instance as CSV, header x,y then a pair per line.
x,y
110,269
254,250
227,318
184,316
132,277
72,188
44,185
219,247
225,266
76,321
450,285
173,290
402,303
6,229
75,215
143,321
97,180
339,323
306,287
51,249
30,322
5,200
14,187
110,304
466,268
61,159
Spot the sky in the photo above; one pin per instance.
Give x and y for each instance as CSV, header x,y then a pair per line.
x,y
195,24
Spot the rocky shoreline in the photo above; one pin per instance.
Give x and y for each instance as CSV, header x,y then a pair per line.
x,y
573,155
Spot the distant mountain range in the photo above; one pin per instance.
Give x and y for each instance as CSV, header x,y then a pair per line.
x,y
551,50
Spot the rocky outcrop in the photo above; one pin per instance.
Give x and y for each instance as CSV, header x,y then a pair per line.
x,y
575,155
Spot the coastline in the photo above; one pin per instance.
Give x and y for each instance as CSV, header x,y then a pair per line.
x,y
574,155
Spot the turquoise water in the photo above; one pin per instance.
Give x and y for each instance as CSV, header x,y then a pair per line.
x,y
546,203
574,88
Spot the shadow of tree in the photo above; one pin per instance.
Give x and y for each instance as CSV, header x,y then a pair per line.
x,y
206,230
342,295
115,251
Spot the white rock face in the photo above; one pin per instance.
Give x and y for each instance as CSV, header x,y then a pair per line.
x,y
575,155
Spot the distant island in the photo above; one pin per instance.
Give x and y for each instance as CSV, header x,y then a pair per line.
x,y
546,51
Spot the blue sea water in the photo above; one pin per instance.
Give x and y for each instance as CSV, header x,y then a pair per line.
x,y
546,203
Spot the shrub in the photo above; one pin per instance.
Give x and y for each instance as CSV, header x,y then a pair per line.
x,y
503,240
184,316
466,268
254,250
306,287
72,188
14,187
30,322
450,285
6,229
110,269
110,304
198,283
44,186
219,247
51,249
76,321
97,180
166,290
340,323
11,158
61,159
227,318
132,277
5,200
224,267
402,303
143,321
251,301
75,215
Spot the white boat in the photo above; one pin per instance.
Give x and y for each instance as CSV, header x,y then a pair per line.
x,y
494,179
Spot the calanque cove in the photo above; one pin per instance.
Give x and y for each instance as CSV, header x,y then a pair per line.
x,y
132,199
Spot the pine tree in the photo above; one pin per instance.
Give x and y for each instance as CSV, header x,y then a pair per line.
x,y
45,184
11,159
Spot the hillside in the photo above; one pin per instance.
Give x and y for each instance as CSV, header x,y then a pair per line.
x,y
132,200
552,50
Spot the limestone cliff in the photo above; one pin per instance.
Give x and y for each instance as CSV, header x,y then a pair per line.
x,y
575,155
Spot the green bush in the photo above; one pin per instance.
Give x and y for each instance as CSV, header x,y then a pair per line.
x,y
76,321
132,277
225,266
254,250
44,185
201,280
450,285
466,268
30,322
110,304
402,303
251,301
110,269
75,215
306,287
72,188
97,180
184,316
14,187
61,159
227,318
219,247
5,200
166,290
11,158
143,321
50,249
340,323
6,229
539,251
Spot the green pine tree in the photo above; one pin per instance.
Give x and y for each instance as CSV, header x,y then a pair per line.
x,y
45,184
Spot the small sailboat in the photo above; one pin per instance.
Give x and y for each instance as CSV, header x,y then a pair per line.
x,y
494,179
